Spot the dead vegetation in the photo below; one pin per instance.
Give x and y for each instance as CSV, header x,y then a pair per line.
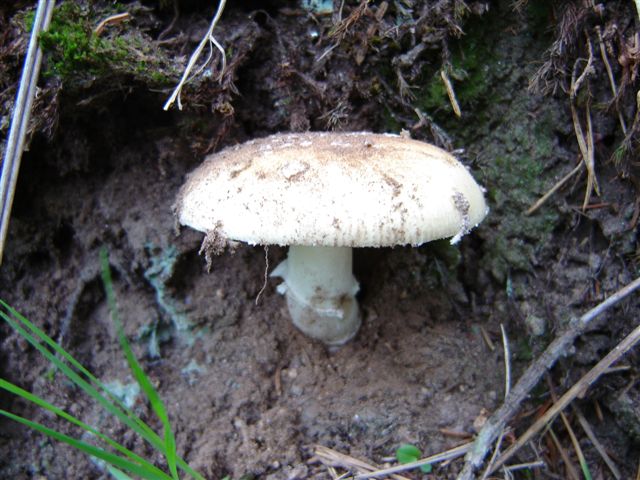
x,y
596,45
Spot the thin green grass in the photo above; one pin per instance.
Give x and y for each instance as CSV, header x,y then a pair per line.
x,y
121,462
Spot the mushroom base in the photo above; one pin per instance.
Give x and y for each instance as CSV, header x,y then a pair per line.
x,y
333,327
320,291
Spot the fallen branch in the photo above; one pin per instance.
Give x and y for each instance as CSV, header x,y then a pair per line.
x,y
530,379
579,388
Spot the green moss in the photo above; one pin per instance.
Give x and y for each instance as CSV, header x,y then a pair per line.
x,y
76,54
512,147
514,168
471,59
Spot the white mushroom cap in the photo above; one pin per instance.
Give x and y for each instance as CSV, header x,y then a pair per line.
x,y
332,189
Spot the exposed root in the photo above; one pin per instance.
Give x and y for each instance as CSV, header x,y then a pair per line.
x,y
210,40
266,273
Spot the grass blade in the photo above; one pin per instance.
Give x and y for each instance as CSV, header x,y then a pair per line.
x,y
154,399
10,387
124,415
118,474
92,450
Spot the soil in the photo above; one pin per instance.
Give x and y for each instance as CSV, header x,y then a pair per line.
x,y
248,395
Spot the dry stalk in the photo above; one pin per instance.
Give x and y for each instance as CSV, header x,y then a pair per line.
x,y
572,473
210,40
612,81
596,443
507,362
567,426
507,389
585,142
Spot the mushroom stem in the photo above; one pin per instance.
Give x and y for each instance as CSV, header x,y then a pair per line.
x,y
320,291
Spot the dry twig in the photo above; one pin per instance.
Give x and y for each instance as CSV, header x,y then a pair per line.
x,y
554,189
507,389
111,20
531,377
450,92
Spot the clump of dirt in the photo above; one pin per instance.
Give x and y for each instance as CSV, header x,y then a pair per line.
x,y
248,395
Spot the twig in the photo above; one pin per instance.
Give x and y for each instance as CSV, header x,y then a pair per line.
x,y
496,452
330,457
20,119
507,362
579,388
207,39
440,457
450,93
596,443
531,377
487,339
554,189
111,20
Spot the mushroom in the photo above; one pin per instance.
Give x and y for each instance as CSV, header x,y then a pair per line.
x,y
323,194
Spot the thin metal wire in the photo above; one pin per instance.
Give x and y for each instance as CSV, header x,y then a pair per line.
x,y
20,119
